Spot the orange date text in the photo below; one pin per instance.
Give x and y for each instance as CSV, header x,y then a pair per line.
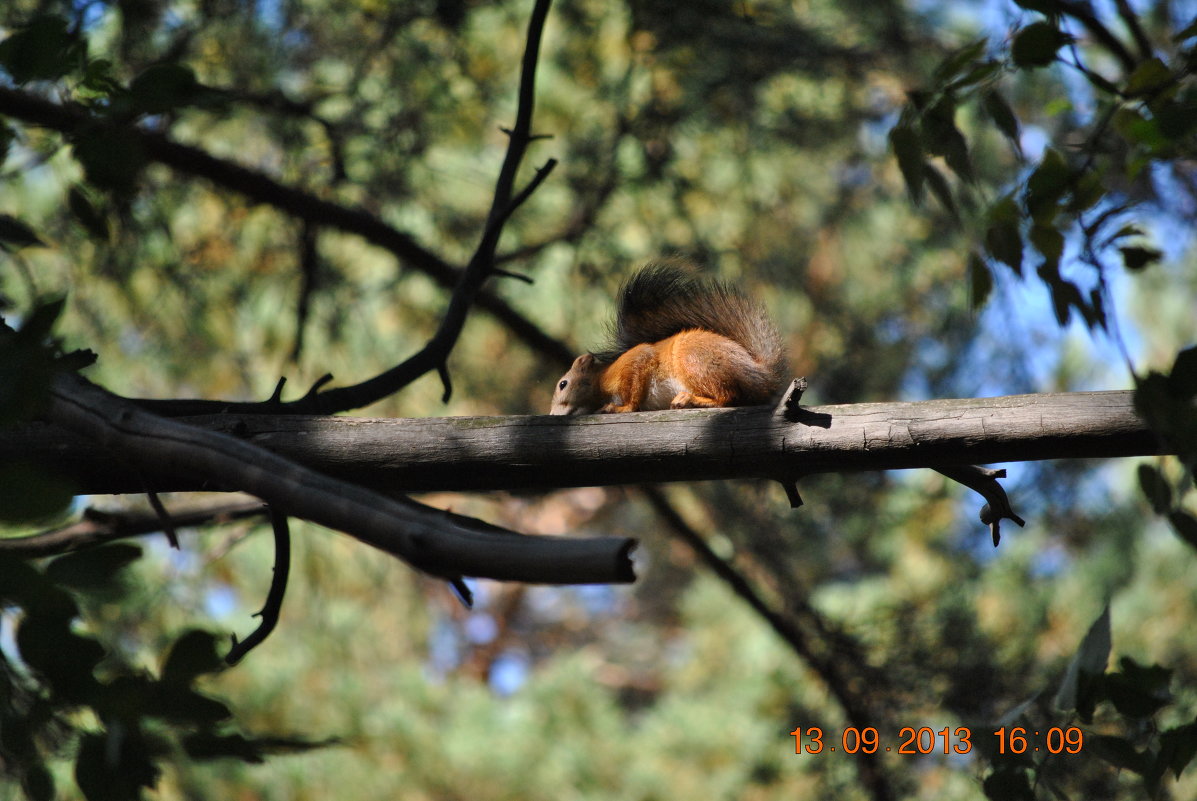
x,y
927,740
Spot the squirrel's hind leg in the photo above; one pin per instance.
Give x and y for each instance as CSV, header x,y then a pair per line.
x,y
688,400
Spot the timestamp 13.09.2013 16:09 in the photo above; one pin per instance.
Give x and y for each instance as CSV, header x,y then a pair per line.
x,y
926,740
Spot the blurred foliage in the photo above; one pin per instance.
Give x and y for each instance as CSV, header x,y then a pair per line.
x,y
29,358
59,683
779,144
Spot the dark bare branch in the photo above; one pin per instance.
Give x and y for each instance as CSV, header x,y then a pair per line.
x,y
168,525
427,540
984,482
274,597
97,527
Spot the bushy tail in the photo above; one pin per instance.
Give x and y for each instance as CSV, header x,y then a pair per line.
x,y
665,298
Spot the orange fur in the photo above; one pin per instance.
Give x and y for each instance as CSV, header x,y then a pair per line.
x,y
684,343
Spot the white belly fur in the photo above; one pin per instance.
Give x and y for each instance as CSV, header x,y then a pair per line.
x,y
661,393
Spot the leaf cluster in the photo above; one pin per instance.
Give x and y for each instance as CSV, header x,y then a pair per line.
x,y
135,720
47,49
30,357
1169,403
1076,193
1129,699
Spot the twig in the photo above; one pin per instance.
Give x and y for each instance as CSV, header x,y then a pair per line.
x,y
1131,21
309,272
168,526
1082,11
984,481
97,527
274,598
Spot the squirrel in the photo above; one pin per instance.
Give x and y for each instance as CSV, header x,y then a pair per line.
x,y
680,342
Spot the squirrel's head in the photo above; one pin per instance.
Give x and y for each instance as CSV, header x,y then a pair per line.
x,y
577,391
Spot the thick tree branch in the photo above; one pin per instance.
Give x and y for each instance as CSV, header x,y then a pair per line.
x,y
430,541
545,452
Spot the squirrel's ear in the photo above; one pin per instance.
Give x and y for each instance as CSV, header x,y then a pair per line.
x,y
584,361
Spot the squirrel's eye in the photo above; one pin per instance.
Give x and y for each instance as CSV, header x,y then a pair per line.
x,y
563,384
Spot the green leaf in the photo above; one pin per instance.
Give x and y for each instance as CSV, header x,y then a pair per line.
x,y
1065,295
92,219
980,73
1185,526
99,79
1118,752
1046,185
1177,118
1004,243
15,234
1178,746
7,137
980,280
62,657
1137,691
112,158
941,137
939,187
1003,240
956,62
1155,488
1006,784
1087,191
1148,78
115,766
1077,691
1049,242
1036,44
193,654
1136,129
183,705
1137,258
909,151
37,783
163,87
43,50
92,569
1182,381
1003,117
29,493
23,586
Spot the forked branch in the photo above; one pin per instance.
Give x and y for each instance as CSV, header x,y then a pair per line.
x,y
428,540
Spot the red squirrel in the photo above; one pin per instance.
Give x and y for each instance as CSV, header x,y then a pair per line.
x,y
680,342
